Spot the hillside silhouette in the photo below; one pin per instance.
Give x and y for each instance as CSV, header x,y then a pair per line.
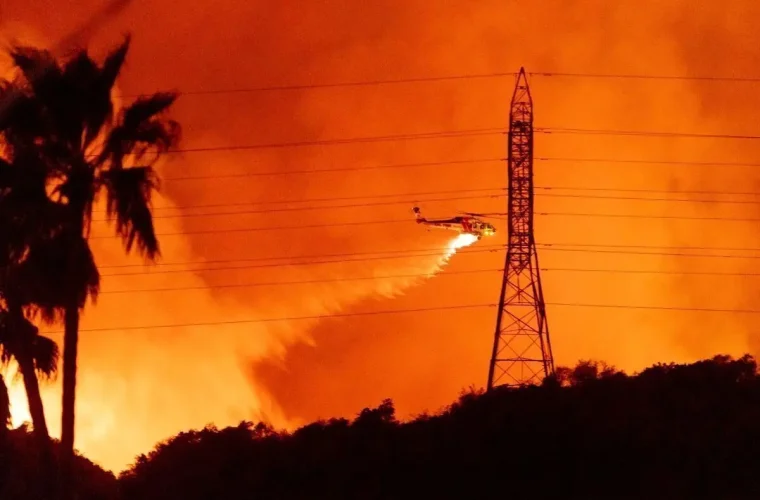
x,y
671,431
19,475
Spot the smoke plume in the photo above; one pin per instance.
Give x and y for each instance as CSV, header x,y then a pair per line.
x,y
145,384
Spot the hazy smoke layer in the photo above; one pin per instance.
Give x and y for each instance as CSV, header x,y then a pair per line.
x,y
139,386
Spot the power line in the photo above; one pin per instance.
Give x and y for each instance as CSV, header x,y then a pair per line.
x,y
410,276
429,200
650,162
648,190
294,264
404,311
351,140
331,198
402,252
346,258
332,142
328,170
646,77
405,276
361,83
656,254
502,216
280,319
642,216
643,133
327,199
328,207
456,134
455,162
430,193
655,308
271,228
639,198
655,247
648,271
397,221
265,262
300,282
448,134
455,77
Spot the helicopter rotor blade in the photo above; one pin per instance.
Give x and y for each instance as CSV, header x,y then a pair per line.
x,y
486,214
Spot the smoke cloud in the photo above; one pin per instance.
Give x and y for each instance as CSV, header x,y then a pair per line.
x,y
142,385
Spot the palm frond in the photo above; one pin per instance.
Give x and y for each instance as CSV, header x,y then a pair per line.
x,y
6,174
46,354
22,119
6,356
98,104
27,214
56,269
78,189
113,63
140,128
85,110
146,108
5,405
39,67
128,198
6,340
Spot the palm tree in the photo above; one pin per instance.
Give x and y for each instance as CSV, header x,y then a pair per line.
x,y
66,112
5,406
30,225
35,355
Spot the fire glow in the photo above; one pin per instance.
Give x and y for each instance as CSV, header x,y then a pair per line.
x,y
143,385
344,295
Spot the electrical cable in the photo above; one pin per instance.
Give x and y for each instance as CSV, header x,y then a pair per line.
x,y
375,255
498,215
301,282
551,74
350,140
295,264
404,311
454,77
642,133
431,200
329,207
656,254
329,170
431,275
265,262
281,319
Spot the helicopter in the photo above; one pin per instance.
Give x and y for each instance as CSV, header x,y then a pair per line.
x,y
468,223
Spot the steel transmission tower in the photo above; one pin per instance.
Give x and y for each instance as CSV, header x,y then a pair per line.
x,y
522,352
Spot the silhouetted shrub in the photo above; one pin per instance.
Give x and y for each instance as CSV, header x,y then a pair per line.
x,y
672,431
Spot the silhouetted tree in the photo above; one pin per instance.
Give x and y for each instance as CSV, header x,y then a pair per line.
x,y
684,431
36,355
65,109
29,222
5,407
19,476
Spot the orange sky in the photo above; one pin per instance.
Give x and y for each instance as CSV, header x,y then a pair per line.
x,y
139,386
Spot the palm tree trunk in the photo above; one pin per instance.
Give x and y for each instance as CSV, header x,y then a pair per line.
x,y
31,384
5,407
70,344
24,357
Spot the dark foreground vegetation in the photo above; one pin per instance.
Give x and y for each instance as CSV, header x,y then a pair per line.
x,y
672,431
